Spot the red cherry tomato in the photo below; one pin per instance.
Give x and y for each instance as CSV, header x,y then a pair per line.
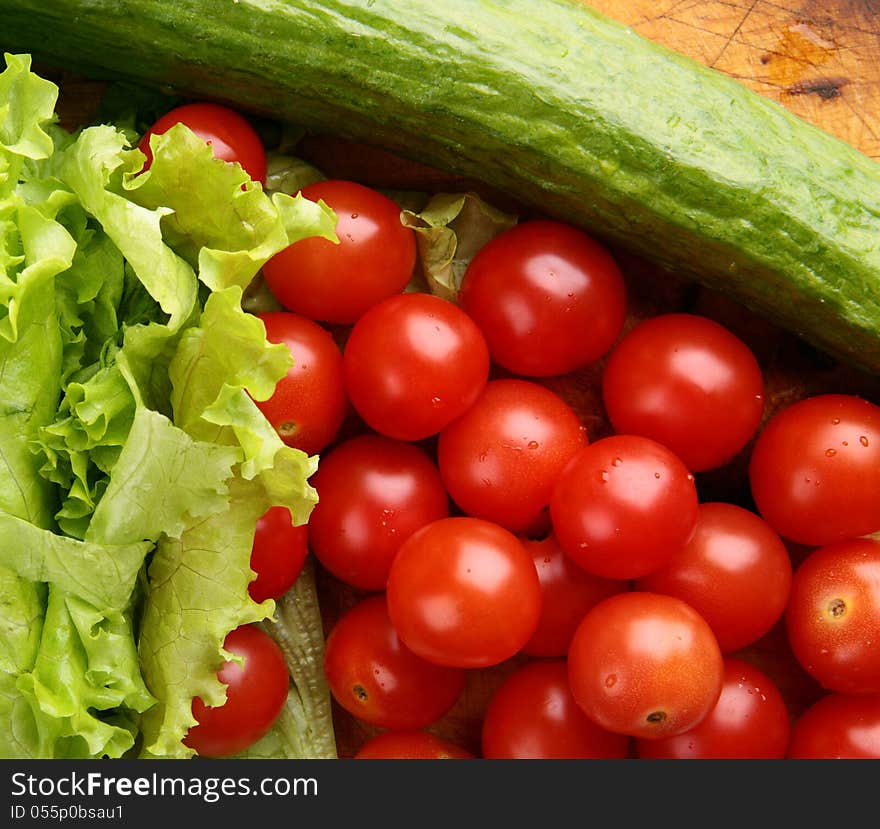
x,y
750,721
255,695
646,665
548,298
613,496
734,571
815,469
230,134
373,492
410,745
412,364
464,592
833,616
375,677
278,554
838,727
331,282
309,404
567,593
688,383
533,715
500,459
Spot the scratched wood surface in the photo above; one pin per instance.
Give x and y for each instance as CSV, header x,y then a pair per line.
x,y
818,58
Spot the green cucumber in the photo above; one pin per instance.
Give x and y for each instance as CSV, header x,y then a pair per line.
x,y
545,99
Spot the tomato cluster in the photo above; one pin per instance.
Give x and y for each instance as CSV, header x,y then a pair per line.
x,y
480,527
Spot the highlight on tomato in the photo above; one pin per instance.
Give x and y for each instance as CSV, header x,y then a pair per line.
x,y
838,727
230,135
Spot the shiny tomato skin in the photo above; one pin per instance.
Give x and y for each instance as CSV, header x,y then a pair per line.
x,y
549,298
734,571
411,745
815,469
374,492
230,134
567,593
309,404
278,554
412,364
616,493
337,283
463,592
750,721
687,382
255,695
646,665
838,727
532,715
377,679
833,616
500,459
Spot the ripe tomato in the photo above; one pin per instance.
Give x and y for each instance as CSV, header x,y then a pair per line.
x,y
332,282
464,592
833,616
533,715
412,364
230,134
410,745
614,495
567,593
375,677
688,383
750,722
815,469
278,554
838,727
255,694
646,665
500,459
548,298
309,404
374,492
734,571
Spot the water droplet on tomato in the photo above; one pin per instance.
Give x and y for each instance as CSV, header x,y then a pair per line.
x,y
610,680
830,453
533,444
835,421
603,476
863,440
617,462
354,215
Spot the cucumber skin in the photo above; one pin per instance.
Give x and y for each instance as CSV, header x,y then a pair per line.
x,y
583,119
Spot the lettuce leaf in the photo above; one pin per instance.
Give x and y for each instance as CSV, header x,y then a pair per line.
x,y
134,462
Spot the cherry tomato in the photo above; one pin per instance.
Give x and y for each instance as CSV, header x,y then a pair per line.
x,y
373,493
838,727
278,554
613,496
567,593
750,722
412,364
230,134
815,469
548,298
464,592
833,616
255,695
533,715
309,404
375,677
688,383
411,745
500,459
734,571
373,259
646,665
